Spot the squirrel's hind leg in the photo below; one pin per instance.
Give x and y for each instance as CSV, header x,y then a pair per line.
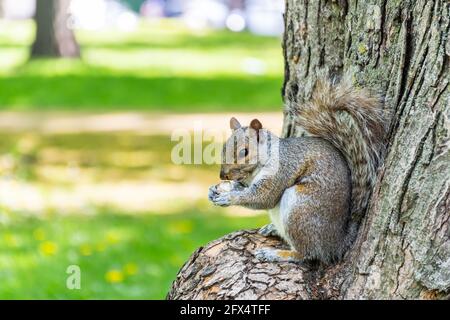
x,y
278,255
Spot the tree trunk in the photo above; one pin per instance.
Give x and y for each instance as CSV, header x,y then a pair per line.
x,y
400,49
54,38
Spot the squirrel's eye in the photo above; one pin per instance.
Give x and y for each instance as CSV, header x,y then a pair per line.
x,y
243,153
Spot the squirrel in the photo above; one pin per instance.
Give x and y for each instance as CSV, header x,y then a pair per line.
x,y
315,187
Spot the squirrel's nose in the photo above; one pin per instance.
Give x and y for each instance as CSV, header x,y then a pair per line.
x,y
223,175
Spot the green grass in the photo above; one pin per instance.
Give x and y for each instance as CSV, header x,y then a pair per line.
x,y
146,250
162,66
98,157
37,247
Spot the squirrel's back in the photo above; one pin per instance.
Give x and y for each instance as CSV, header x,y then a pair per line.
x,y
354,122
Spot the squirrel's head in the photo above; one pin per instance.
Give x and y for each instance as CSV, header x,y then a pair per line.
x,y
240,151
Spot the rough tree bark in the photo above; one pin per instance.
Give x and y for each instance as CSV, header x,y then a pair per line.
x,y
400,49
54,38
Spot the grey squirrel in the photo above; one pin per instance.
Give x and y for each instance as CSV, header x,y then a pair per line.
x,y
315,187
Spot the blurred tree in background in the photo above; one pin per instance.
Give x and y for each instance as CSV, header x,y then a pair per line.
x,y
54,37
135,5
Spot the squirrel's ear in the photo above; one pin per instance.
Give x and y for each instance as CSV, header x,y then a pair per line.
x,y
255,124
234,124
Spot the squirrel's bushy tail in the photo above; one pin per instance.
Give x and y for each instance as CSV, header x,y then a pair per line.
x,y
355,123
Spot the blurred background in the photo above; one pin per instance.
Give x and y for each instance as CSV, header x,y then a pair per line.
x,y
90,93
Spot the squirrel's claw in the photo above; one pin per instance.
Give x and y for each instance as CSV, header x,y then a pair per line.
x,y
277,255
268,230
212,192
222,199
263,254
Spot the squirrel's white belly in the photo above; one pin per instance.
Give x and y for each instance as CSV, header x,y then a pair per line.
x,y
275,219
280,214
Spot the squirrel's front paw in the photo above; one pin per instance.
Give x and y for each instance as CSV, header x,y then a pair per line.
x,y
217,197
212,192
222,199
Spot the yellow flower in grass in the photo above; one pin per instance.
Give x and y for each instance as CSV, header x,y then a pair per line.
x,y
114,276
100,247
39,234
181,227
48,248
86,250
130,269
10,240
112,237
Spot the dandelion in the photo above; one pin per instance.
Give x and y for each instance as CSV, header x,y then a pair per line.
x,y
181,227
130,269
100,247
112,237
86,250
39,234
114,276
48,248
11,240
